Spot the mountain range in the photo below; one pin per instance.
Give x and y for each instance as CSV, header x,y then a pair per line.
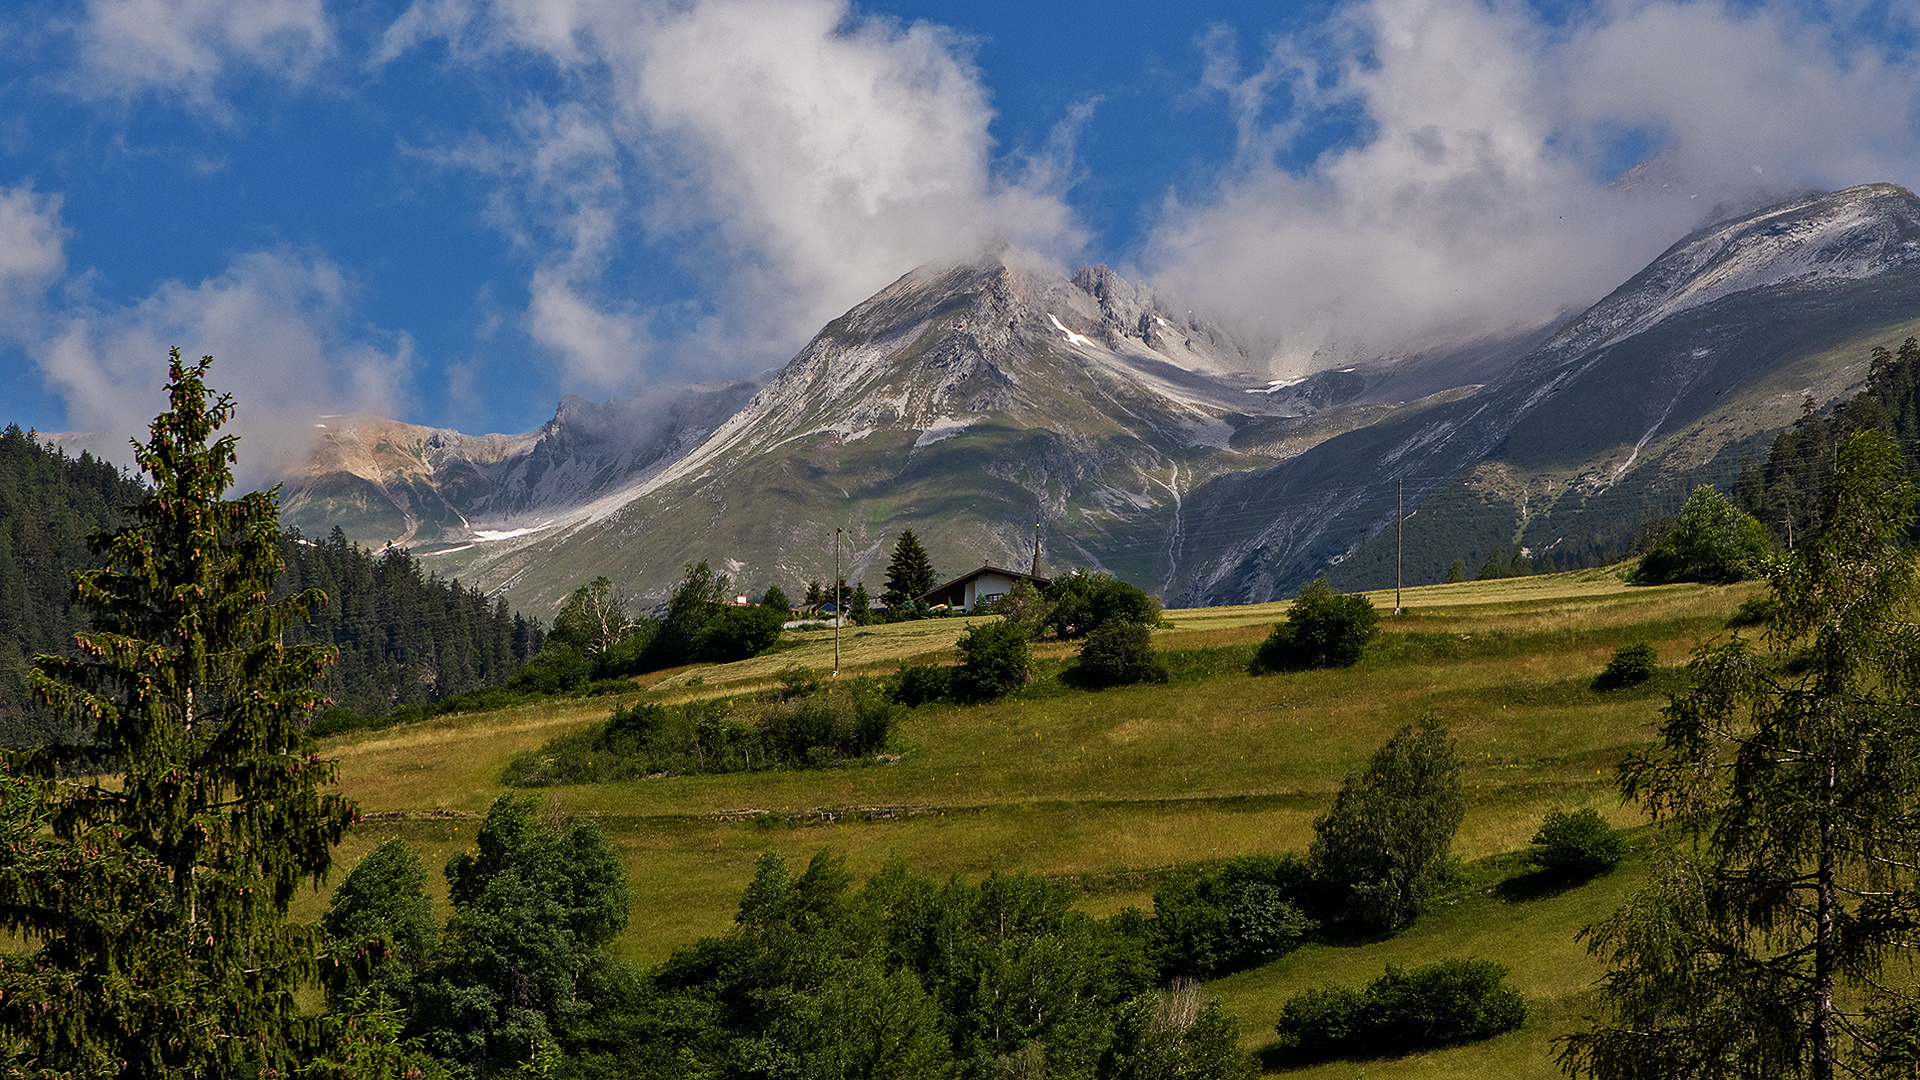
x,y
985,404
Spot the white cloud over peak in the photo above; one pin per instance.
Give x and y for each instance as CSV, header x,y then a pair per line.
x,y
180,48
791,156
1476,191
279,325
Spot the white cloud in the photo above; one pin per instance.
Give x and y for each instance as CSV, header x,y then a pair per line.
x,y
180,48
278,323
792,156
32,254
1477,189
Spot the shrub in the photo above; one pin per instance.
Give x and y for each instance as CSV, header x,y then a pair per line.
x,y
336,720
1754,611
1322,629
1120,654
1713,541
1577,845
995,661
1631,665
918,684
739,632
1383,847
1454,1001
1083,602
1232,917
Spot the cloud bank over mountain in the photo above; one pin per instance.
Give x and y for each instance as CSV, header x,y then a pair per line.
x,y
1478,187
685,191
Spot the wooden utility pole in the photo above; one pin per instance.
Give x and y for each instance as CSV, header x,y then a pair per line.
x,y
1399,540
839,608
1036,543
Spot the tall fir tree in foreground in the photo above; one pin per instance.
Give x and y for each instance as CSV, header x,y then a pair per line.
x,y
909,573
1777,936
163,934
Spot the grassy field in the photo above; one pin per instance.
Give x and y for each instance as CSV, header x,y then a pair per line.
x,y
1107,789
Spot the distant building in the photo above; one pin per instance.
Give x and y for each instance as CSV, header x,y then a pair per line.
x,y
983,586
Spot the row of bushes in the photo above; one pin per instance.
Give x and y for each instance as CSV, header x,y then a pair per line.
x,y
804,723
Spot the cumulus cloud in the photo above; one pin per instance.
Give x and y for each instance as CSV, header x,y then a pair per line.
x,y
792,156
180,48
1477,188
32,254
278,323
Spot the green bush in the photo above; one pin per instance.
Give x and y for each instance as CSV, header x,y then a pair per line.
x,y
1454,1001
1083,603
1119,654
1713,541
1631,665
736,633
995,661
1238,915
1382,849
1322,629
1578,845
918,684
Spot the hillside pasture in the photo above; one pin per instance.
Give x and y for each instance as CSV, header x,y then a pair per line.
x,y
1114,790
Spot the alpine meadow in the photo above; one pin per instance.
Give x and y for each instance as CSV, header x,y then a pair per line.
x,y
814,540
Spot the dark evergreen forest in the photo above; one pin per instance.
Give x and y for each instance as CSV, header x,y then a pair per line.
x,y
1785,492
406,636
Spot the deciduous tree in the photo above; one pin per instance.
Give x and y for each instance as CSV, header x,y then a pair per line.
x,y
1384,844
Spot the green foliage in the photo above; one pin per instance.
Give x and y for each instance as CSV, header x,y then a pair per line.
x,y
1083,602
696,602
905,977
803,724
1173,1035
1454,1001
1456,571
1120,654
592,619
534,907
919,684
739,632
860,606
1786,493
909,572
403,636
1504,564
1787,884
1384,845
1024,607
1322,629
995,660
184,679
1713,541
49,505
1235,916
380,927
1576,846
1631,665
776,598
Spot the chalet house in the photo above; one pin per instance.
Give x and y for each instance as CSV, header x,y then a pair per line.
x,y
983,586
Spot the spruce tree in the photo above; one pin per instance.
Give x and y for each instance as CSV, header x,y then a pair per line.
x,y
909,574
221,808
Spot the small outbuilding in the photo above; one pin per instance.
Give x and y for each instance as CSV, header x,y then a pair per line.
x,y
982,586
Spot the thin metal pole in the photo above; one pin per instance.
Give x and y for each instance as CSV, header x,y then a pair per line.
x,y
839,609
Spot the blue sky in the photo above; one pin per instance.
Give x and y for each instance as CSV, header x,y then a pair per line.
x,y
455,211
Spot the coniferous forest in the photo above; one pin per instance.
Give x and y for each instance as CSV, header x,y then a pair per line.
x,y
406,636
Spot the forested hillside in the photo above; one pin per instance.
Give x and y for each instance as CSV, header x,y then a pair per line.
x,y
406,637
49,504
1785,492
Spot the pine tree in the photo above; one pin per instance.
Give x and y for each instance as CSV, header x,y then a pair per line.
x,y
1776,938
184,679
909,574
